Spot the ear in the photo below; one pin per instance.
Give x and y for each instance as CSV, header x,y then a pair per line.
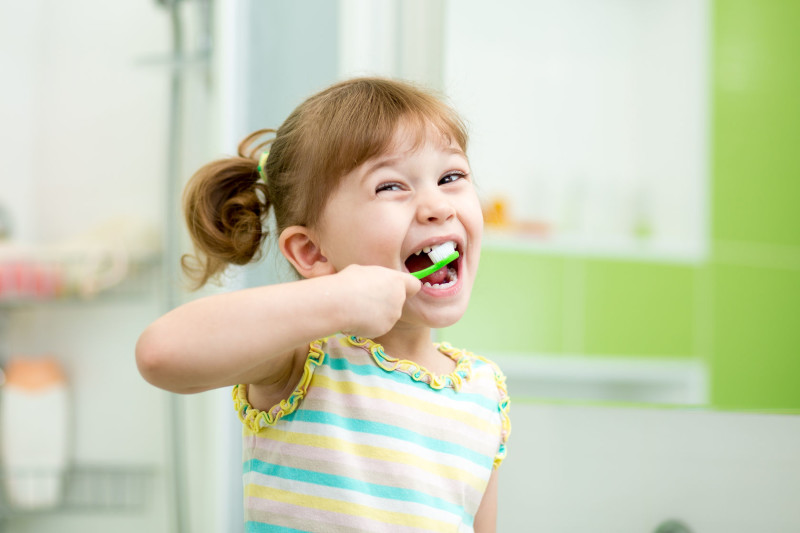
x,y
299,245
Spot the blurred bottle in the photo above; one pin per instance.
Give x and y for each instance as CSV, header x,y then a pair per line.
x,y
34,411
5,224
642,214
495,213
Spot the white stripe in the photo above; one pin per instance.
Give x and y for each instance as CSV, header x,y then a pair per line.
x,y
431,424
412,390
412,475
388,443
349,496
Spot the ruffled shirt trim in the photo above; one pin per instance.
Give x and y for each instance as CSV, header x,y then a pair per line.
x,y
255,419
454,380
504,405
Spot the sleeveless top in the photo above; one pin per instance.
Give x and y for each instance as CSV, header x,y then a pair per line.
x,y
368,443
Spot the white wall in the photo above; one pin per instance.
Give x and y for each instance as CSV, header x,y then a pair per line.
x,y
588,116
83,124
573,469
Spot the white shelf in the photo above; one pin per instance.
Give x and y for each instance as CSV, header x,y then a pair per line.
x,y
673,381
97,488
625,248
41,273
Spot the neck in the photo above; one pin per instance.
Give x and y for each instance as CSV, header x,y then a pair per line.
x,y
412,343
415,344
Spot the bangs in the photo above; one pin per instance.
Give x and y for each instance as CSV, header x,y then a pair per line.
x,y
347,124
373,134
365,118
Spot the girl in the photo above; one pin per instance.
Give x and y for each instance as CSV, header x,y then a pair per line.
x,y
354,421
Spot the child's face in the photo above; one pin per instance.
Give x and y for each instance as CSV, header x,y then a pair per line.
x,y
398,203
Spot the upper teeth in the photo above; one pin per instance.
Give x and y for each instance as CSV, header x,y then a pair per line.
x,y
429,249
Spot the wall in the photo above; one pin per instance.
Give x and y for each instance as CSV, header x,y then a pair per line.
x,y
84,122
626,470
589,118
737,310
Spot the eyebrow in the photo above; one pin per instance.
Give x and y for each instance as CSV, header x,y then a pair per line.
x,y
381,163
384,161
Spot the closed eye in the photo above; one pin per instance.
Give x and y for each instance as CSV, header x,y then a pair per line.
x,y
388,186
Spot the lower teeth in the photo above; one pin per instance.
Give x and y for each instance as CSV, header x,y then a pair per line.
x,y
452,275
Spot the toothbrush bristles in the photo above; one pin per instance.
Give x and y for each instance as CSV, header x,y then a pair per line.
x,y
442,252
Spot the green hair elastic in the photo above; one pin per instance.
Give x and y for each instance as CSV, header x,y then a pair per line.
x,y
262,169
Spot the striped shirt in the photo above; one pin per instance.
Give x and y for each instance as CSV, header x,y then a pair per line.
x,y
368,443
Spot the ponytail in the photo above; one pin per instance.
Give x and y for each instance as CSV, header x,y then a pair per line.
x,y
226,205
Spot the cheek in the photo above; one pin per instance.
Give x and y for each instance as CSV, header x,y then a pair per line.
x,y
473,216
369,242
384,243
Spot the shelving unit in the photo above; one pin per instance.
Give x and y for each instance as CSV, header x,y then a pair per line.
x,y
142,277
87,488
46,273
43,279
610,248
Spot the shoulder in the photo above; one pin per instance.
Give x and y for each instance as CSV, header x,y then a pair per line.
x,y
341,346
482,370
247,399
487,379
503,406
490,367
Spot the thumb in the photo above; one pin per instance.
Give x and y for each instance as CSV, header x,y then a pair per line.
x,y
413,285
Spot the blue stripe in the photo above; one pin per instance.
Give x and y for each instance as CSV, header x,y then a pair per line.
x,y
371,369
260,527
348,483
388,430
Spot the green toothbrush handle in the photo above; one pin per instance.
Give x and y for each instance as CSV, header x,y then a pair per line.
x,y
433,268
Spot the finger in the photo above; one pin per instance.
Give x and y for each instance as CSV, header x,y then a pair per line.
x,y
413,285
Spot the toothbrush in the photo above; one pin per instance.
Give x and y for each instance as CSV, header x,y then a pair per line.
x,y
441,255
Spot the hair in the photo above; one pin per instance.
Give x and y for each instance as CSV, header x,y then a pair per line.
x,y
323,139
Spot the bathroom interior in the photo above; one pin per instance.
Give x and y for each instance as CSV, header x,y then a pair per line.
x,y
640,273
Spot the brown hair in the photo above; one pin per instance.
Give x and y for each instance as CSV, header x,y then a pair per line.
x,y
323,139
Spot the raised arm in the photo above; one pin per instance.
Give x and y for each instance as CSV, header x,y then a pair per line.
x,y
250,336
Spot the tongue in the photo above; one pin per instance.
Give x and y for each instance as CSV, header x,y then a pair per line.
x,y
415,263
440,276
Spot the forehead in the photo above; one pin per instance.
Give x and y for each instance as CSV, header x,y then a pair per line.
x,y
435,148
409,140
409,137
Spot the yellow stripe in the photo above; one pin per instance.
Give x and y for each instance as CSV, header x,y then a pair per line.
x,y
353,387
374,452
336,506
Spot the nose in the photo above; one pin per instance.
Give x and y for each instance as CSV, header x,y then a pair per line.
x,y
434,207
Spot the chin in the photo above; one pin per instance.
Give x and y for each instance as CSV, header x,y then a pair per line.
x,y
442,319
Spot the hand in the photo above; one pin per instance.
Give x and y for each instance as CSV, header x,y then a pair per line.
x,y
373,298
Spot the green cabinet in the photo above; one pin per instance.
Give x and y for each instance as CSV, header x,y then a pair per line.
x,y
755,191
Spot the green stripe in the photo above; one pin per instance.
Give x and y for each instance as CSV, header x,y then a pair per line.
x,y
388,430
348,483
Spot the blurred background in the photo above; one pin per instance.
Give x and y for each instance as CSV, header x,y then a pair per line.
x,y
640,279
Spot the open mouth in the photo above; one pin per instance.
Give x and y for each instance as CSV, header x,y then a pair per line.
x,y
444,277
